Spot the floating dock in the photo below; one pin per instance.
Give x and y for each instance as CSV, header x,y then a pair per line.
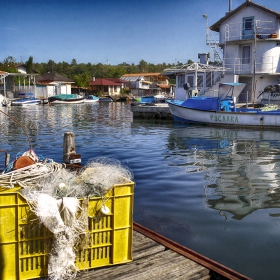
x,y
156,257
151,111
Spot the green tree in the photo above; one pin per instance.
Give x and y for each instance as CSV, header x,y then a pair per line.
x,y
29,65
9,65
143,66
82,80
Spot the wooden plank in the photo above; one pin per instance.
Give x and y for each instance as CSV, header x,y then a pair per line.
x,y
213,266
150,261
143,246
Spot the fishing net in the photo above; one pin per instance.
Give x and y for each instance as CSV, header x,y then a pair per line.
x,y
53,193
66,219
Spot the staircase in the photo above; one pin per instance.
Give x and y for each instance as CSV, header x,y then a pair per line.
x,y
214,45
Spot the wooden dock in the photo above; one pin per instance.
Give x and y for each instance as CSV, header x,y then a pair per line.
x,y
151,111
153,259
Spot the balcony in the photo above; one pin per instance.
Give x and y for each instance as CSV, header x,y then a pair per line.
x,y
262,65
263,30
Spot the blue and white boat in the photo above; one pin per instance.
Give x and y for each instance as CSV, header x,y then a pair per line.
x,y
106,99
91,99
222,111
27,100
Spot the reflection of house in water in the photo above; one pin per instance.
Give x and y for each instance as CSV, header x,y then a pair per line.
x,y
241,167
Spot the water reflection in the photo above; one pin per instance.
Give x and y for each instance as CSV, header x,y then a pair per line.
x,y
240,167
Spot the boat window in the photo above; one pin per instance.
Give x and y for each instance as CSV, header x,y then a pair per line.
x,y
246,54
190,81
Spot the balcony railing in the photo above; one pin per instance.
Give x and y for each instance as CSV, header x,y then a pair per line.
x,y
261,65
261,29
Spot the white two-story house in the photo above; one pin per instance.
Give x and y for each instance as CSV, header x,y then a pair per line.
x,y
248,46
249,37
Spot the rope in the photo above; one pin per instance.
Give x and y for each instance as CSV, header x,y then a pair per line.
x,y
29,175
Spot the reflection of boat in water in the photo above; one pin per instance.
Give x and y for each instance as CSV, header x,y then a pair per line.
x,y
66,99
240,167
27,100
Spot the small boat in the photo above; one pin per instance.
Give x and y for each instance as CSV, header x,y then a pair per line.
x,y
27,100
66,99
92,99
106,99
148,99
222,111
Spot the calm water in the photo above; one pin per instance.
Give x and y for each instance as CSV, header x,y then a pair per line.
x,y
214,190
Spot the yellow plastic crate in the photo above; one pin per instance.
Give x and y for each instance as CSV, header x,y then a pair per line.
x,y
24,243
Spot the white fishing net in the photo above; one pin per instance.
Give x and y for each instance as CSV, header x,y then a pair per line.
x,y
54,198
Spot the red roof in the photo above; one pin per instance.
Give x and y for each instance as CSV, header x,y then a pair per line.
x,y
107,82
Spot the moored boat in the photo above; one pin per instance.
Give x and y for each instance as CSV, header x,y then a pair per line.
x,y
91,99
222,111
66,99
27,100
106,99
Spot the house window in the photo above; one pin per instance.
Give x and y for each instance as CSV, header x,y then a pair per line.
x,y
246,57
248,28
181,80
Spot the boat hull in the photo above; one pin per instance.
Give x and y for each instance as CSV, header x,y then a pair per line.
x,y
57,101
92,99
25,102
66,99
240,118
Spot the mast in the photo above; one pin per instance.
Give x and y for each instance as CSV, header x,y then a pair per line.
x,y
254,62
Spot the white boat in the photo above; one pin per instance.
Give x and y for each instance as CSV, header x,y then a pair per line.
x,y
161,98
222,111
92,99
27,100
66,99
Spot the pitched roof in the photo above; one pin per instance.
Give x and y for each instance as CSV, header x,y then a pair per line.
x,y
107,82
247,3
141,75
53,77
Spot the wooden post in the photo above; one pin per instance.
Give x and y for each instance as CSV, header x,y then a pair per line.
x,y
68,146
7,160
7,157
69,154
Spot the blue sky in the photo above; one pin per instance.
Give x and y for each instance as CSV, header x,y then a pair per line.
x,y
110,31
